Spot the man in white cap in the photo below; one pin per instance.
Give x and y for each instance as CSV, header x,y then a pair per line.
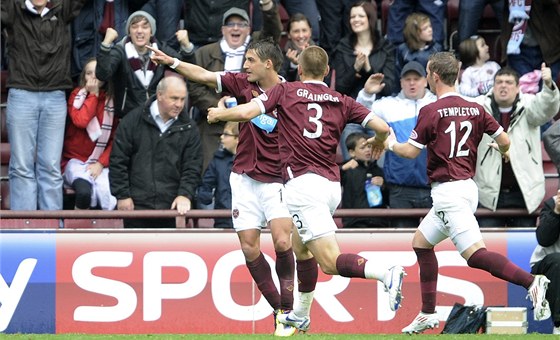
x,y
227,55
127,63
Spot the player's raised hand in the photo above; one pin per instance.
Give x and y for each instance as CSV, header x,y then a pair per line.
x,y
160,57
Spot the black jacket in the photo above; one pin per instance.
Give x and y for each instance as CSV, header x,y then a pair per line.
x,y
354,195
154,168
381,59
130,93
39,47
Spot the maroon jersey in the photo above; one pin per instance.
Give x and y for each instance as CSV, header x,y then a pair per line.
x,y
451,129
311,117
257,151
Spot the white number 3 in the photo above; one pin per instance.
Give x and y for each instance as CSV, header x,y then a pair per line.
x,y
315,120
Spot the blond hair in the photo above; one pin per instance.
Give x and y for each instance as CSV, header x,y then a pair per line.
x,y
314,61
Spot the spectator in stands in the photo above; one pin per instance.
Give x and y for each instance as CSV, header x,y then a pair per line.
x,y
308,8
406,179
478,76
127,63
88,141
470,13
418,42
363,52
531,36
204,19
39,75
167,14
400,10
546,256
299,35
515,179
227,55
361,168
360,54
215,182
90,26
156,159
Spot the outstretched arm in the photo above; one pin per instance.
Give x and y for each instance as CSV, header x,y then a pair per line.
x,y
239,113
405,150
382,131
190,71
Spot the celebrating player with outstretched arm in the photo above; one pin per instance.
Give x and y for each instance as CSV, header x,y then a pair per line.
x,y
311,118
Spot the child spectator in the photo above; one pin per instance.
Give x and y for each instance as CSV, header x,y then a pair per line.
x,y
88,141
354,174
418,42
215,183
478,75
299,35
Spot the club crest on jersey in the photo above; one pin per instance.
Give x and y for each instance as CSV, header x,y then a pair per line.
x,y
413,134
255,93
235,213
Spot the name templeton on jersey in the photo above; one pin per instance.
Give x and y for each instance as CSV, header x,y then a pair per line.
x,y
458,111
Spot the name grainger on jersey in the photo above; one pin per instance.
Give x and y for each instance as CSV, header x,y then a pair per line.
x,y
458,111
316,97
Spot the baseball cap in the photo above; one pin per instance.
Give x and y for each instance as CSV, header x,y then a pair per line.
x,y
235,11
415,67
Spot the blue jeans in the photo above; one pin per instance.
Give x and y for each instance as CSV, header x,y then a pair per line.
x,y
404,197
470,13
36,123
334,22
400,9
167,15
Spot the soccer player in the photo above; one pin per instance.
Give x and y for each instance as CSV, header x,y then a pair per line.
x,y
451,129
311,118
256,184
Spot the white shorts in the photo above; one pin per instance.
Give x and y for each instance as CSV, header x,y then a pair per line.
x,y
312,200
101,191
452,214
254,203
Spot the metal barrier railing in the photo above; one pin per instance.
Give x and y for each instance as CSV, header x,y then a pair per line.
x,y
191,218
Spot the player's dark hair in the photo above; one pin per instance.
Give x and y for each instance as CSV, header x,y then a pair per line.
x,y
268,49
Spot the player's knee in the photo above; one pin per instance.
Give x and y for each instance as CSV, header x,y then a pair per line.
x,y
282,244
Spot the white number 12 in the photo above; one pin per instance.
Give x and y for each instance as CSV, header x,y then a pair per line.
x,y
453,134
